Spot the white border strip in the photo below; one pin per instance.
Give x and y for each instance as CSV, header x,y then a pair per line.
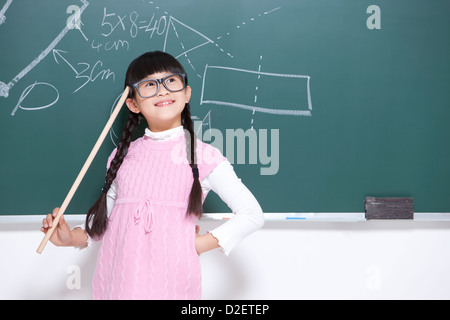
x,y
278,217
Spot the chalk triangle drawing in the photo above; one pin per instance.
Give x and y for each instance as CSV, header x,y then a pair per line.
x,y
182,39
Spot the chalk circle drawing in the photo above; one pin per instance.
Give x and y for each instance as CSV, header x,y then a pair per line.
x,y
217,91
28,90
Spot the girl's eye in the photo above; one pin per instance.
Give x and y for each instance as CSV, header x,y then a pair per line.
x,y
149,84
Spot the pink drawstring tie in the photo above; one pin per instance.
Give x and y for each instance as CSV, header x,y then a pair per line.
x,y
145,206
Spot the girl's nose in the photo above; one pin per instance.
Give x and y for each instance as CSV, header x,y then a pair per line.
x,y
162,90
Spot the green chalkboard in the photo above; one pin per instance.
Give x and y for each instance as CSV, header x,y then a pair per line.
x,y
317,103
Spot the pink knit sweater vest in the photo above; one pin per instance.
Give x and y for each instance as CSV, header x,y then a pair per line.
x,y
148,250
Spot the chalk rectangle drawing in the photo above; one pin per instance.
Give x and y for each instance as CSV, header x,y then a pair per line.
x,y
272,93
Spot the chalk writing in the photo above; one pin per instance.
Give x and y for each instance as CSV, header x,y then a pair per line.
x,y
118,29
85,72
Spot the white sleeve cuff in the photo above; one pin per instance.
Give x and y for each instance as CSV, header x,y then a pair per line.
x,y
89,239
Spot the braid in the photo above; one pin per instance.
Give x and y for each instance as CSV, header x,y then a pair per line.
x,y
122,148
195,196
190,138
98,213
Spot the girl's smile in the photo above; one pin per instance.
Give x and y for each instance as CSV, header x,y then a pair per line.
x,y
164,103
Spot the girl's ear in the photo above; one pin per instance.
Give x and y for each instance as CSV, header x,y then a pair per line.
x,y
131,104
188,94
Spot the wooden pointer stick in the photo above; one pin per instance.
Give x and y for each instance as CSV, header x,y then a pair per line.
x,y
83,171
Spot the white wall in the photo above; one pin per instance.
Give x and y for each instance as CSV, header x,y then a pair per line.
x,y
284,260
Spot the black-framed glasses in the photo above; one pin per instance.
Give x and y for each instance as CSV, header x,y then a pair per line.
x,y
150,88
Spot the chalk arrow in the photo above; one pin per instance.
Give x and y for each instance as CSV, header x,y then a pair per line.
x,y
58,53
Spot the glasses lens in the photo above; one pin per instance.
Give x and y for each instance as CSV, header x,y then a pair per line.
x,y
174,83
148,88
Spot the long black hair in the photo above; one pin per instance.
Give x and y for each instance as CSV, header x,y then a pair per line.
x,y
140,68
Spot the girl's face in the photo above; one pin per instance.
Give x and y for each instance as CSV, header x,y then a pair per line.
x,y
162,111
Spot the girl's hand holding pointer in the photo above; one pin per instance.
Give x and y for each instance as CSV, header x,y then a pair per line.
x,y
63,236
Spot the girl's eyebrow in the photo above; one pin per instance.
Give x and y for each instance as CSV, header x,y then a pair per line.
x,y
151,77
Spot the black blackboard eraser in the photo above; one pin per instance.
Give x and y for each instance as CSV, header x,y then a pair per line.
x,y
389,208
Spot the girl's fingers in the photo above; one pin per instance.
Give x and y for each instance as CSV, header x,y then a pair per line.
x,y
46,221
55,211
49,220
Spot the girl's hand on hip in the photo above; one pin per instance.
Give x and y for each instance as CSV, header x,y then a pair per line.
x,y
204,242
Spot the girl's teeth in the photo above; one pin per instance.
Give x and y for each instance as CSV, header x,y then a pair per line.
x,y
164,104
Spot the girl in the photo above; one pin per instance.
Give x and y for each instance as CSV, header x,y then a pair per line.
x,y
153,194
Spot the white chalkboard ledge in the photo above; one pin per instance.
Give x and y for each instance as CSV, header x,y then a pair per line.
x,y
285,217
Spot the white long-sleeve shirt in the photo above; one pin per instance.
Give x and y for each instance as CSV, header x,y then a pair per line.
x,y
224,182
